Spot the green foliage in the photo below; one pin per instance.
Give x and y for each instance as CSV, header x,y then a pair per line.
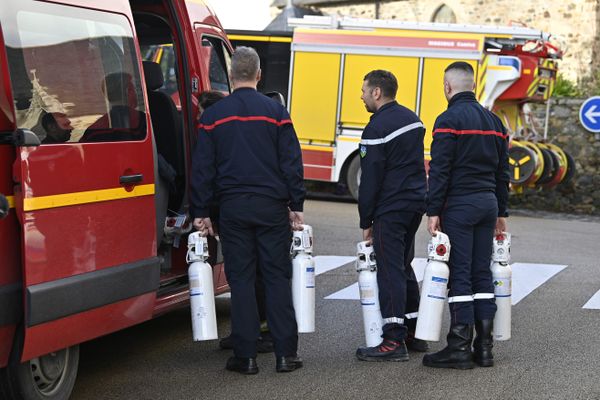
x,y
566,88
586,87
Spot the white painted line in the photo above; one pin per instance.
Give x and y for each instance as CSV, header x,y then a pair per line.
x,y
348,293
594,302
528,277
327,263
351,292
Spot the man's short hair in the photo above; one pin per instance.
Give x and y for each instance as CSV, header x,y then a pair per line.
x,y
460,66
245,64
384,80
47,120
209,97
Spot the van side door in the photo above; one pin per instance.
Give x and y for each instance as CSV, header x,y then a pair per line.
x,y
10,254
85,194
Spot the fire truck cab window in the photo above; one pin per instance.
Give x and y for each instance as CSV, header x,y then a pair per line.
x,y
74,73
219,60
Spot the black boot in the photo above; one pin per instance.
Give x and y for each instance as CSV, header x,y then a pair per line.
x,y
483,343
457,354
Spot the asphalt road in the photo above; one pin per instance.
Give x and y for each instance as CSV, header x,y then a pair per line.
x,y
554,352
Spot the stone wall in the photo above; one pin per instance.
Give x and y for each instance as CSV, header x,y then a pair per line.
x,y
582,194
575,21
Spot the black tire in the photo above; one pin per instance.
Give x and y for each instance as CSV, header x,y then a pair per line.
x,y
571,169
49,377
353,177
550,167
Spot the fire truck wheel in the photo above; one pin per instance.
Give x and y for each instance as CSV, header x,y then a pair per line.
x,y
353,177
49,377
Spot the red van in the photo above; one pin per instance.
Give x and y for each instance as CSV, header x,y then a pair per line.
x,y
94,161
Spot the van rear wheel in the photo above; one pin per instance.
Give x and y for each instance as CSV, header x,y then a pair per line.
x,y
353,177
49,377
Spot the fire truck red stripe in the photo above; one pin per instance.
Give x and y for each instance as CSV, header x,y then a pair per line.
x,y
469,132
239,118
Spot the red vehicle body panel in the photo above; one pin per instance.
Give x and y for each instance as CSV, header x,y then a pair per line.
x,y
47,243
318,165
66,241
10,248
60,334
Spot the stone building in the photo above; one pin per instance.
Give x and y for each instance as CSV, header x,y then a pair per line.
x,y
575,22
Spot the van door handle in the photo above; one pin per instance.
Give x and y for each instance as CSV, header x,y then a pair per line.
x,y
130,179
4,206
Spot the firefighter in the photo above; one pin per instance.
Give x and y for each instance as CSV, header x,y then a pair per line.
x,y
248,158
391,203
467,200
265,342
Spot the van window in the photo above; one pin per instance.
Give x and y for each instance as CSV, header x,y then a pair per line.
x,y
74,73
219,61
164,55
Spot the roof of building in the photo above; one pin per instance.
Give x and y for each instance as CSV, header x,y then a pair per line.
x,y
280,23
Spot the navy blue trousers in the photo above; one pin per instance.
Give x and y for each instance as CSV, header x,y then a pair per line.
x,y
393,239
470,221
255,232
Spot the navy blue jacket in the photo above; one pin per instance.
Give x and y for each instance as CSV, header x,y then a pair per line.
x,y
392,164
246,144
469,154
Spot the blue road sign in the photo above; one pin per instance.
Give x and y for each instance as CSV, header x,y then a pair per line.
x,y
589,114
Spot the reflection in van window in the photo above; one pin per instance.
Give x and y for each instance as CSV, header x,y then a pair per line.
x,y
74,73
217,56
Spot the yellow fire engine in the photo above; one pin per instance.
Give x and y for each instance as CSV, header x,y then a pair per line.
x,y
320,68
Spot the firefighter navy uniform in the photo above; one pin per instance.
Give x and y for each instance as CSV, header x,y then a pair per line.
x,y
468,188
248,159
392,201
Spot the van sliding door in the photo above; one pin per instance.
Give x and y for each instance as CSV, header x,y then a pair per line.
x,y
85,198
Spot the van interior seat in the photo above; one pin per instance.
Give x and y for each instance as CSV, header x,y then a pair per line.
x,y
167,127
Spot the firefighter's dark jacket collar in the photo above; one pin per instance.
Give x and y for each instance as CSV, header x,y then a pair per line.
x,y
462,97
244,89
384,107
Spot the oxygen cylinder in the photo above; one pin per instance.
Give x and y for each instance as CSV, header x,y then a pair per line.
x,y
366,266
303,279
434,290
502,276
202,295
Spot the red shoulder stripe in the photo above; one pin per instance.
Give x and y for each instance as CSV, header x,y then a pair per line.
x,y
239,118
469,132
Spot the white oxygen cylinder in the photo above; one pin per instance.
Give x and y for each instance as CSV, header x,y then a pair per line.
x,y
303,279
366,266
434,290
202,294
502,276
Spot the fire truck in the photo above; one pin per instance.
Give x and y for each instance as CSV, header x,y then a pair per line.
x,y
94,161
321,65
